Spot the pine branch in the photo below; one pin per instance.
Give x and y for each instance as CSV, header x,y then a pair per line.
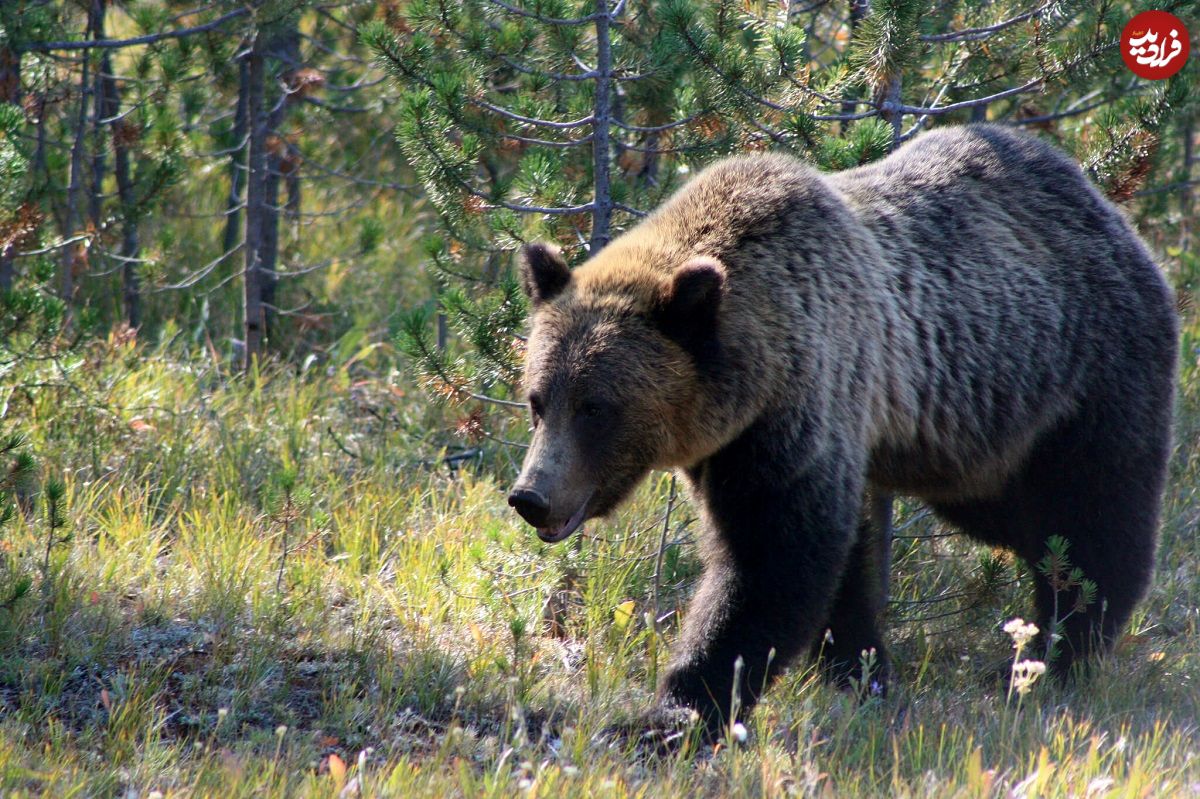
x,y
657,128
398,63
546,142
52,247
542,123
847,102
846,117
201,273
525,69
1068,112
682,148
1036,83
46,47
520,12
491,204
729,82
979,34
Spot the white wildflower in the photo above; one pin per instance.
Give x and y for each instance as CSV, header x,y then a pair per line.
x,y
1025,673
1021,632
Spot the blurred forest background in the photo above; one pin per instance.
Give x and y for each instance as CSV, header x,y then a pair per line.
x,y
260,338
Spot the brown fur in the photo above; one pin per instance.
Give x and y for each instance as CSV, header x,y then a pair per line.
x,y
967,321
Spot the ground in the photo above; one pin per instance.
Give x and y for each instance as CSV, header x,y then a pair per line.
x,y
279,587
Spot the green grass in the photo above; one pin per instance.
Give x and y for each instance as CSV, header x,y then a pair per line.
x,y
274,586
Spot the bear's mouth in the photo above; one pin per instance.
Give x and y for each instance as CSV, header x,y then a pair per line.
x,y
552,535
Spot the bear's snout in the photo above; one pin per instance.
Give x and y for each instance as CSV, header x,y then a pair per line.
x,y
533,507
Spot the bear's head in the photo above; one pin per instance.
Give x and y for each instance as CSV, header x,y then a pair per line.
x,y
613,376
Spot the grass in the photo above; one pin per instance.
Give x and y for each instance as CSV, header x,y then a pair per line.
x,y
277,587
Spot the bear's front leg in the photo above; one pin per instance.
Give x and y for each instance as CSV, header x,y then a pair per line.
x,y
775,549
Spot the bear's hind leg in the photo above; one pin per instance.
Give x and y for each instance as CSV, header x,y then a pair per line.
x,y
1097,486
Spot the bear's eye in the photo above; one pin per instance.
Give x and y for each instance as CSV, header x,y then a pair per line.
x,y
535,408
593,409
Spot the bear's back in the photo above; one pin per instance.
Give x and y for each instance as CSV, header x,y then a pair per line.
x,y
984,153
1001,253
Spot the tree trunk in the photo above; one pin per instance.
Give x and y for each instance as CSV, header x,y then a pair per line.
x,y
237,159
284,49
71,253
100,112
131,295
602,113
256,119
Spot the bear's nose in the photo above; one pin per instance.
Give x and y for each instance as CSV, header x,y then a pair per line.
x,y
532,506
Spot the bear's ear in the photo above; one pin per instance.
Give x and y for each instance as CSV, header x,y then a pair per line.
x,y
544,273
688,306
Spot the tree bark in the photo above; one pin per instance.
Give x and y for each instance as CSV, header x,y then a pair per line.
x,y
602,114
70,252
256,118
284,49
237,159
130,250
100,112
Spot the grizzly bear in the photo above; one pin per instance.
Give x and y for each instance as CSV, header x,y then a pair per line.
x,y
967,321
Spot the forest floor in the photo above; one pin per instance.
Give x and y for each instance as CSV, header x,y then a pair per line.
x,y
276,586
